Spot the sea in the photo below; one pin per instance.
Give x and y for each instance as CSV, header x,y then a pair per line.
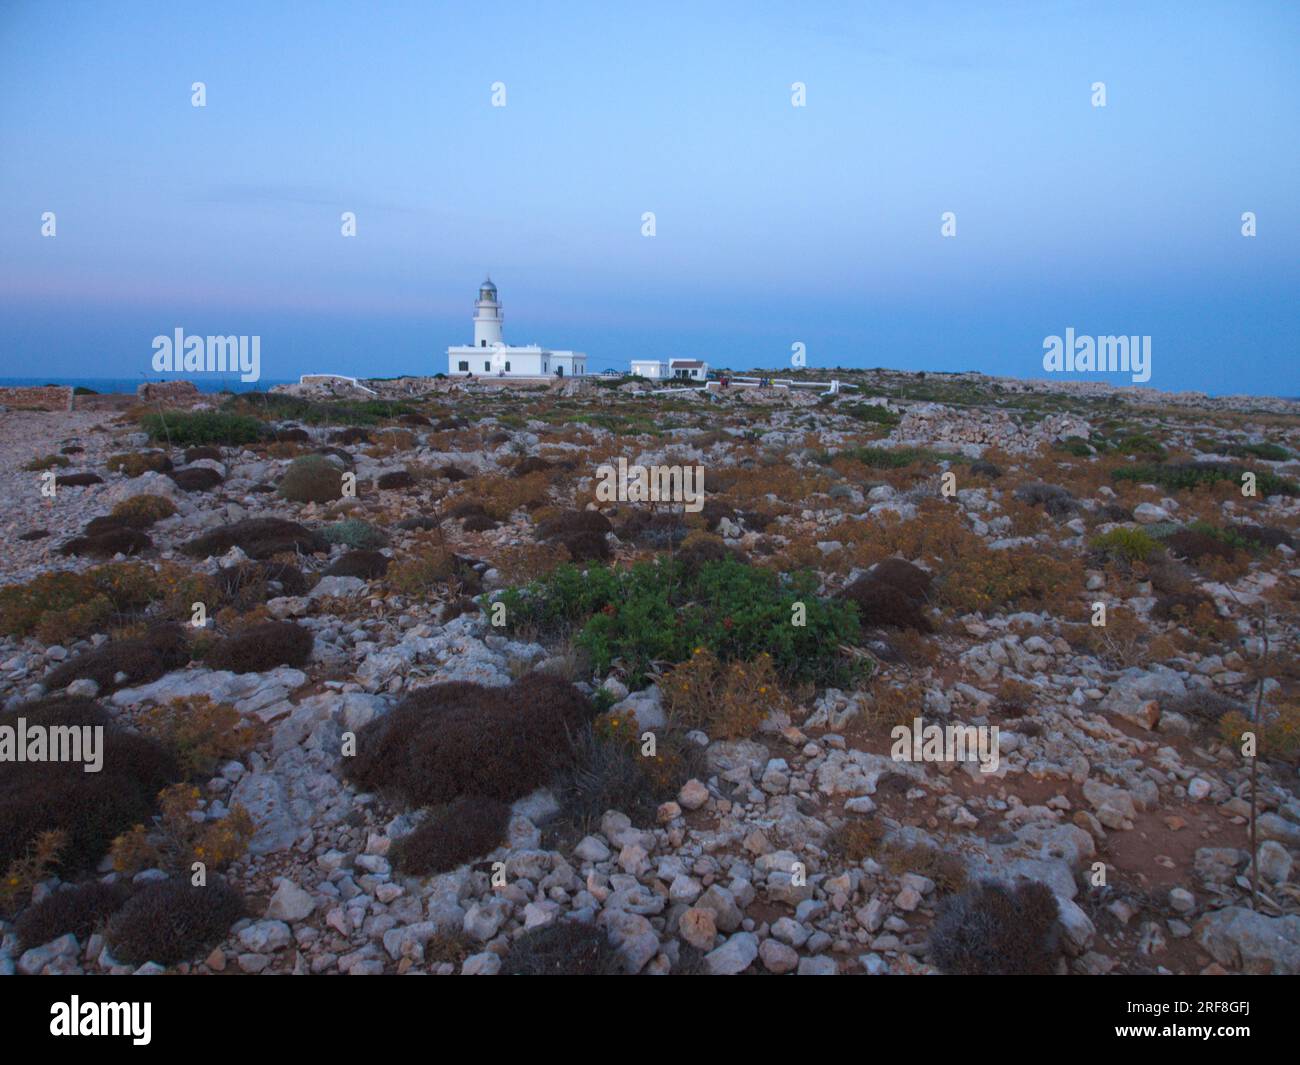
x,y
205,382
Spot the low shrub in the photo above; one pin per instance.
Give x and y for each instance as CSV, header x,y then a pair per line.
x,y
367,565
562,948
195,478
170,921
609,769
202,451
356,533
1128,545
78,911
139,512
1197,544
1183,476
136,660
993,930
395,479
661,611
568,522
183,428
433,569
77,480
116,540
90,809
46,462
201,734
1053,498
262,647
137,463
60,605
856,839
312,479
891,596
466,829
726,700
456,739
183,835
258,538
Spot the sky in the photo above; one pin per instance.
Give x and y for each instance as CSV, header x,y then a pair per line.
x,y
773,224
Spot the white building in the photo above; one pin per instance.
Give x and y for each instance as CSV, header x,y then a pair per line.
x,y
673,369
491,356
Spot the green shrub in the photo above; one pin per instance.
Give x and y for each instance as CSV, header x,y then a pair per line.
x,y
1140,444
186,428
312,479
368,565
662,611
354,532
1183,476
1131,545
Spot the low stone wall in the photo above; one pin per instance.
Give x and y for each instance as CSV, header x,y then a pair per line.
x,y
43,397
169,393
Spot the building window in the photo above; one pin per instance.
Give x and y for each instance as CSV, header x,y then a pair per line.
x,y
507,367
464,366
487,366
482,343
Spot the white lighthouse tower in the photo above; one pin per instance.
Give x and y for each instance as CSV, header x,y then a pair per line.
x,y
487,317
492,357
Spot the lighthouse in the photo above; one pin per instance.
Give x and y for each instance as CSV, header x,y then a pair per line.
x,y
487,317
492,357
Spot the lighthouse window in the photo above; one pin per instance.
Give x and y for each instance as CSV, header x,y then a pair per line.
x,y
464,366
507,367
482,343
487,366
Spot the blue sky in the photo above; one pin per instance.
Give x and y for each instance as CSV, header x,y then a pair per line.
x,y
775,224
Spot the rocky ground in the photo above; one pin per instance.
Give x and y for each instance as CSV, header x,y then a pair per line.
x,y
800,844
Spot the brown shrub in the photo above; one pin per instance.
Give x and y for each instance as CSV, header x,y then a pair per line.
x,y
258,538
884,605
77,480
142,658
108,541
364,564
468,828
262,647
725,700
136,463
77,910
456,739
395,479
195,478
312,479
994,930
90,809
139,512
170,921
